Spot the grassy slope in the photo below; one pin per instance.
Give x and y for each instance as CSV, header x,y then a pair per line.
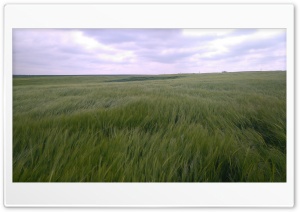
x,y
188,128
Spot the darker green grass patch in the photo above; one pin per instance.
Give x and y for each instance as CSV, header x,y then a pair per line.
x,y
145,78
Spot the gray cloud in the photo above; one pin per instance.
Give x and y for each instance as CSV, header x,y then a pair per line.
x,y
145,51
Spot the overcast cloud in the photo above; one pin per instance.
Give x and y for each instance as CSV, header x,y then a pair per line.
x,y
146,51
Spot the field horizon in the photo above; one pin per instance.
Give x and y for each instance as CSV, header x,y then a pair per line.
x,y
197,127
221,72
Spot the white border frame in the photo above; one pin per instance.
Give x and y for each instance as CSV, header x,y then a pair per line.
x,y
147,16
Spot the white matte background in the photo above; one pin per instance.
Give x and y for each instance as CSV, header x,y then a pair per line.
x,y
174,1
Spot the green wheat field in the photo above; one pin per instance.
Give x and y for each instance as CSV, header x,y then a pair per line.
x,y
222,127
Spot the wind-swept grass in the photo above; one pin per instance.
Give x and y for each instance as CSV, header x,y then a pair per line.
x,y
228,127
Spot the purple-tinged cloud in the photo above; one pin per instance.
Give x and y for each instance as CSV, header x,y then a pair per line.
x,y
146,51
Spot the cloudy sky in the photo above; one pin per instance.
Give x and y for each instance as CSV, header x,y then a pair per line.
x,y
146,51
